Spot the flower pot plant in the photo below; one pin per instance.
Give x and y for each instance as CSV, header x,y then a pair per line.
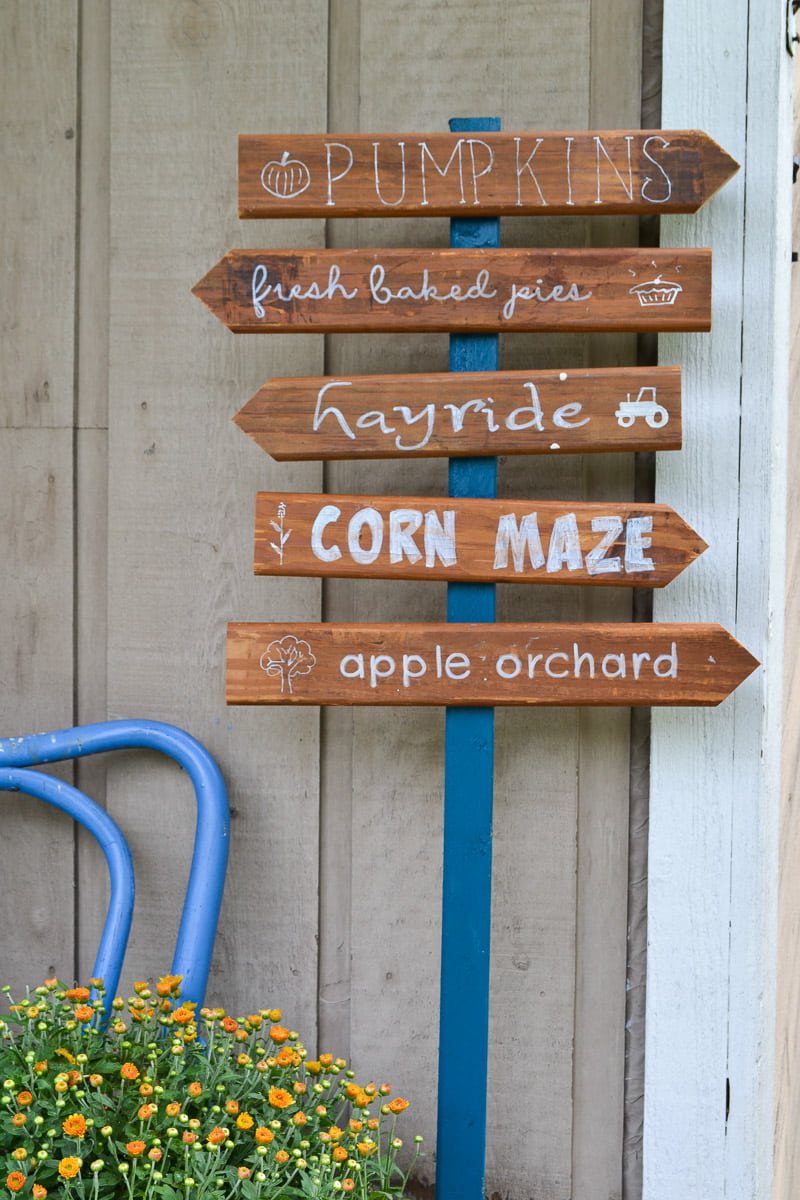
x,y
158,1102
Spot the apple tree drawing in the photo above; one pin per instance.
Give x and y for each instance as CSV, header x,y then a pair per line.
x,y
287,657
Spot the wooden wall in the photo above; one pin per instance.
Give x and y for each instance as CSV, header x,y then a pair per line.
x,y
128,505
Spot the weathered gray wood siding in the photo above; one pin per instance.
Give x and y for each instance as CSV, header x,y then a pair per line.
x,y
127,513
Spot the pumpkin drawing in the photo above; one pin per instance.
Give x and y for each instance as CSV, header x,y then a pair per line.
x,y
285,179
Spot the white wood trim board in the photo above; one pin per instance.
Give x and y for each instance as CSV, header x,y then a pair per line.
x,y
715,795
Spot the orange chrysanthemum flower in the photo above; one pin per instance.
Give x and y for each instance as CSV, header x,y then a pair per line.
x,y
326,1059
169,985
244,1121
183,1015
145,1089
299,1118
280,1098
189,1138
95,1080
69,1167
129,1070
339,1153
287,1057
263,1135
195,1089
313,1067
172,1109
78,993
135,1148
348,1184
278,1034
41,1066
232,1107
146,1111
19,1118
335,1133
229,1025
281,1156
65,1054
84,1012
24,1098
217,1136
15,1182
74,1125
38,1192
397,1105
366,1148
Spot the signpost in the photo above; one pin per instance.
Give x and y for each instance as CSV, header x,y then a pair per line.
x,y
483,173
462,540
484,664
469,413
473,290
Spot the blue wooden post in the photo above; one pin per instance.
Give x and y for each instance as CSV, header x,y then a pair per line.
x,y
468,797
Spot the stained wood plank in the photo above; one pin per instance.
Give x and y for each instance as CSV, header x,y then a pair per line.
x,y
486,290
488,174
473,664
466,413
461,540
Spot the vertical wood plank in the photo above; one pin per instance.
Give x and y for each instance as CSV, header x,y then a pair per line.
x,y
787,1105
37,230
182,481
710,1016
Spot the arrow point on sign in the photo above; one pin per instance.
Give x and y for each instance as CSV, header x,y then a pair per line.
x,y
209,288
719,167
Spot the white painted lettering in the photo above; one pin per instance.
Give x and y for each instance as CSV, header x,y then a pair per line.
x,y
579,659
548,669
381,197
518,539
638,659
476,175
596,561
319,417
456,154
601,150
440,538
564,416
616,661
428,412
636,543
327,515
565,545
535,422
666,665
329,146
457,666
352,666
403,524
508,666
381,666
526,166
410,661
365,519
648,181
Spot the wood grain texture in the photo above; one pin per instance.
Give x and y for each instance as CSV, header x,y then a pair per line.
x,y
715,787
461,540
466,413
484,664
500,174
440,291
38,148
171,72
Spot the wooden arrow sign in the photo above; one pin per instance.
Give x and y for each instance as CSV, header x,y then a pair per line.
x,y
340,291
484,664
466,413
520,541
503,174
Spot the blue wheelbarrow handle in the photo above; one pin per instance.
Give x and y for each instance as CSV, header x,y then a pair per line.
x,y
198,925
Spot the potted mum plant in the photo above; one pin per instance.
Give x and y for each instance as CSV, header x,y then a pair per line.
x,y
145,1099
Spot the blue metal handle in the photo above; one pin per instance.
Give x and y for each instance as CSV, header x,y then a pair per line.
x,y
201,907
111,950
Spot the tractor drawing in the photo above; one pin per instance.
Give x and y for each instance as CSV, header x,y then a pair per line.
x,y
645,405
